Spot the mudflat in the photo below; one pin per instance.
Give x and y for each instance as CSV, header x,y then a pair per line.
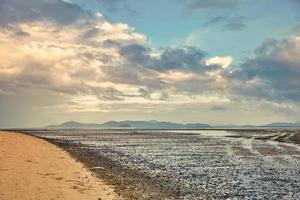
x,y
188,164
31,168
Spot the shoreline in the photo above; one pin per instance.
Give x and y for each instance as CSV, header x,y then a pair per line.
x,y
33,168
128,183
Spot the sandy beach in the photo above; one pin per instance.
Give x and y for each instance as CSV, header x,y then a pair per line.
x,y
31,168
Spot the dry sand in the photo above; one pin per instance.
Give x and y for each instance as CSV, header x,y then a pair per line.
x,y
31,168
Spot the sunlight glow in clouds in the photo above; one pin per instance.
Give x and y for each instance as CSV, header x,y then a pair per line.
x,y
223,61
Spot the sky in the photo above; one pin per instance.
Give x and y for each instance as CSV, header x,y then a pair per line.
x,y
207,61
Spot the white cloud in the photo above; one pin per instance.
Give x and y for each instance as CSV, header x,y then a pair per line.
x,y
223,61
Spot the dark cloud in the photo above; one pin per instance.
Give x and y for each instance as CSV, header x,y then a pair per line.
x,y
171,59
113,5
272,74
137,53
267,47
181,59
296,30
216,20
91,33
218,108
108,94
205,4
14,11
235,26
228,23
14,31
134,75
145,93
120,6
296,2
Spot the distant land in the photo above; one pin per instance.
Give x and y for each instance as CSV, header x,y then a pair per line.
x,y
154,124
282,124
271,125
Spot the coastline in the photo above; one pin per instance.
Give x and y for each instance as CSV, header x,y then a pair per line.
x,y
32,168
128,183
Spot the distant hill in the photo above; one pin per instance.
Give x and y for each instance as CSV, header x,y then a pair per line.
x,y
282,124
153,124
73,124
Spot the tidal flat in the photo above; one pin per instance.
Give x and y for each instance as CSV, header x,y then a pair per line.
x,y
189,164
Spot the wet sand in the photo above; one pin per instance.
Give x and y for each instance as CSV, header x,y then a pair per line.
x,y
31,168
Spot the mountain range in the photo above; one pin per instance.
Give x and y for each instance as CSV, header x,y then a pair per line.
x,y
282,124
153,124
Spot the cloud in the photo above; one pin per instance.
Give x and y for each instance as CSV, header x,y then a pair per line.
x,y
218,108
112,62
273,73
113,5
228,23
16,11
235,26
224,62
120,6
296,30
295,3
66,65
205,4
109,61
15,31
181,59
